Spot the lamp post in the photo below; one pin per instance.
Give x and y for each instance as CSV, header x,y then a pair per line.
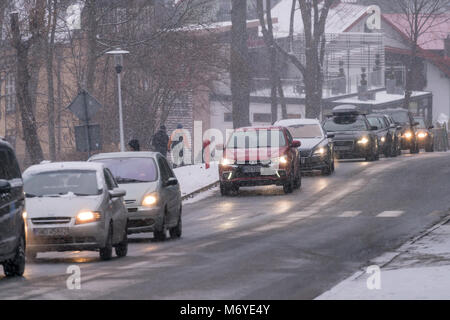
x,y
118,59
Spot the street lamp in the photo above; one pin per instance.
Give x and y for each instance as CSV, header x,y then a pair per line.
x,y
118,59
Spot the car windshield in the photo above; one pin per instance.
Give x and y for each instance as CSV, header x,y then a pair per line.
x,y
308,131
59,183
421,122
400,117
257,139
375,122
132,170
347,123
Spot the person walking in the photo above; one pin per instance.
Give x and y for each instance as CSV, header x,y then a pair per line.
x,y
134,145
161,140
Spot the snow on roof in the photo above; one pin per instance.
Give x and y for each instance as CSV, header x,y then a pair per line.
x,y
295,122
57,166
432,39
381,98
115,155
340,17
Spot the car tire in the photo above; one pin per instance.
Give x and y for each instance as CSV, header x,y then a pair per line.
x,y
298,180
224,191
177,231
106,251
327,171
289,186
16,266
160,234
122,248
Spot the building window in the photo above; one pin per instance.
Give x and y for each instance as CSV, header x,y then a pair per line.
x,y
228,117
10,94
262,117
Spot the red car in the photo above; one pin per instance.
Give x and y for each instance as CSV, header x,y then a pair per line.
x,y
260,157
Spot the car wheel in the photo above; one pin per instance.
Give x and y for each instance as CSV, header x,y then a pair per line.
x,y
16,266
122,248
106,251
160,235
298,180
327,171
224,191
175,232
289,186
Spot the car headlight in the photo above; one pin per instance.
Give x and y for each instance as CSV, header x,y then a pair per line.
x,y
422,135
383,139
226,162
284,159
364,141
320,151
149,200
24,215
408,135
87,217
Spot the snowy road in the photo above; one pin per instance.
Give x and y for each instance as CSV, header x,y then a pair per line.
x,y
263,244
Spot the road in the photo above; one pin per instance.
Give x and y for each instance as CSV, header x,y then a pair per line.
x,y
263,244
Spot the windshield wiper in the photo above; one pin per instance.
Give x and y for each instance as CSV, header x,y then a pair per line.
x,y
129,180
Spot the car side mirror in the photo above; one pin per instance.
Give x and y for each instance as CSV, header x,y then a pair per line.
x,y
117,193
331,135
171,182
296,144
5,186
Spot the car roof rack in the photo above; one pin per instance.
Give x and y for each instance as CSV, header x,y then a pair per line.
x,y
347,109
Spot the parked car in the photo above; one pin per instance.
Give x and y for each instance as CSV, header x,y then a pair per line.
x,y
425,135
404,119
354,136
396,133
153,196
385,139
259,157
12,203
317,149
74,206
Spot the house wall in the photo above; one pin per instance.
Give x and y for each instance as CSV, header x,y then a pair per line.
x,y
439,85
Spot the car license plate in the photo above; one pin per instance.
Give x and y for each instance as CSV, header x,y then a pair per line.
x,y
51,232
250,169
346,148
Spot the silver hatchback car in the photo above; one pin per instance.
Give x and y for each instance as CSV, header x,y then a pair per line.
x,y
74,206
153,193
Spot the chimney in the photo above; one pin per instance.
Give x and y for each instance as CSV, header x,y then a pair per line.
x,y
447,46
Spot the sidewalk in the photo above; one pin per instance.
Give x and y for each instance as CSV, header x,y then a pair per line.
x,y
193,179
418,270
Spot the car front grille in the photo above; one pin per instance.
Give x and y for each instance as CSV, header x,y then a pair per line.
x,y
130,202
52,220
305,153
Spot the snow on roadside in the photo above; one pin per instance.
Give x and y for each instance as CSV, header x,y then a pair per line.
x,y
195,177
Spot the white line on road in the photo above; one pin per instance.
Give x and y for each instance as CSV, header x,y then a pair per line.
x,y
390,214
134,265
350,214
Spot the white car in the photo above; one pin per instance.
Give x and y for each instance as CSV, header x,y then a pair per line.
x,y
74,206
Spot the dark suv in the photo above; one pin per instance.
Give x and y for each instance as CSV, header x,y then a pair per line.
x,y
404,119
12,205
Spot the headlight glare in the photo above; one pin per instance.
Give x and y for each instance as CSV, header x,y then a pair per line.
x,y
364,141
87,217
149,200
320,151
226,162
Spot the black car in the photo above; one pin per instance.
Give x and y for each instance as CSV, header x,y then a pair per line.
x,y
12,206
354,137
396,134
385,138
425,135
317,149
405,120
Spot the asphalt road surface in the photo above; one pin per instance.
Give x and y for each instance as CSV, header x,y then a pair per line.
x,y
263,244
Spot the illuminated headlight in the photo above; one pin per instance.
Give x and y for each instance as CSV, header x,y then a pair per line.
x,y
363,141
87,217
422,135
149,200
383,139
226,162
24,215
408,135
320,151
280,160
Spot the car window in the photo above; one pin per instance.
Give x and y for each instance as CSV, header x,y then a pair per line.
x,y
131,170
63,182
163,169
421,123
308,131
375,122
9,168
110,183
401,117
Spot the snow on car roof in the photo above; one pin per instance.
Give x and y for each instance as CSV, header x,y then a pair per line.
x,y
294,122
117,155
56,166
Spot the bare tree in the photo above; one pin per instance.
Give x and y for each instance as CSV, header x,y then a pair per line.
x,y
418,17
239,68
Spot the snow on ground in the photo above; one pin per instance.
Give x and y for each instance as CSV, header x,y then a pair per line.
x,y
195,177
421,271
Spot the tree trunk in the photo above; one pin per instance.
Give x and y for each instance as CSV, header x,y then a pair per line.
x,y
239,69
92,30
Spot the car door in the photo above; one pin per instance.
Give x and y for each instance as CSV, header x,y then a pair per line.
x,y
170,194
116,207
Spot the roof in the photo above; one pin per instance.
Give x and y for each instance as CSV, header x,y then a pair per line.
x,y
118,155
294,122
58,166
436,31
340,18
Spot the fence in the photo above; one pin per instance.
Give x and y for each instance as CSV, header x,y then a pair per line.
x,y
441,138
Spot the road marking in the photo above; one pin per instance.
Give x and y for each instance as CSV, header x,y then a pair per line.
x,y
390,214
134,265
350,214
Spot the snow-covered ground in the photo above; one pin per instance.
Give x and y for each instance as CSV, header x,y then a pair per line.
x,y
196,177
419,270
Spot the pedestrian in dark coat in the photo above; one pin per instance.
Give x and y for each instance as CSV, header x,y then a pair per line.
x,y
160,141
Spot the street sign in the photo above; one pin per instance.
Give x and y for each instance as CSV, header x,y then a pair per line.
x,y
84,106
94,137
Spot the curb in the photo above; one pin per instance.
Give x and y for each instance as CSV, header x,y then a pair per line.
x,y
193,194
